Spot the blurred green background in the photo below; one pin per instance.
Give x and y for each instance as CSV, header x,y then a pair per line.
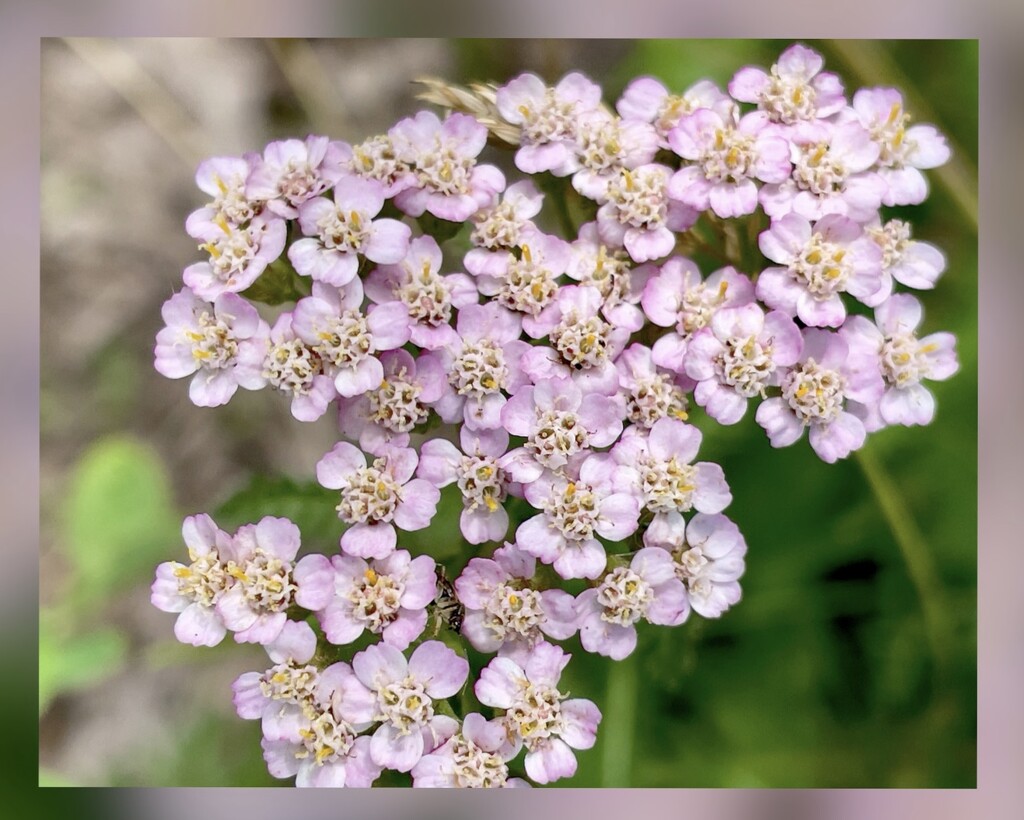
x,y
850,661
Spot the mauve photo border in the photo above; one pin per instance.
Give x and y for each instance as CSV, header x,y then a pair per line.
x,y
1000,604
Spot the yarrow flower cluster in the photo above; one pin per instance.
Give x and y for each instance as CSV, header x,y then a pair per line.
x,y
468,347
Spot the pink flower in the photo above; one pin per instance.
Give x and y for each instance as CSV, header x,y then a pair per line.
x,y
583,344
549,724
640,215
651,394
814,395
223,178
903,360
287,363
794,90
389,413
207,340
482,482
647,589
647,100
237,255
332,324
611,271
292,171
473,756
502,608
375,158
728,158
737,358
400,695
834,256
374,496
337,233
559,423
903,150
678,297
194,590
259,559
549,119
318,744
575,511
910,262
605,145
497,229
290,682
481,365
708,558
832,174
427,296
656,465
387,597
447,181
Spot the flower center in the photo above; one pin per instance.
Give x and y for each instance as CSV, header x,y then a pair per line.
x,y
371,494
698,305
405,705
343,232
689,563
519,611
479,369
817,171
788,99
639,198
893,239
426,295
609,273
395,404
290,683
231,253
890,134
558,435
673,108
600,145
444,170
230,200
529,286
822,266
290,366
655,398
536,713
552,121
667,485
496,227
583,343
815,393
214,345
482,482
346,340
625,597
326,739
203,580
375,159
903,360
266,581
473,768
730,158
299,182
574,512
746,366
376,600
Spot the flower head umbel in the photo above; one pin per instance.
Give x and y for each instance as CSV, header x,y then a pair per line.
x,y
339,232
386,596
903,359
448,183
400,695
375,495
647,589
503,608
549,723
738,356
814,395
207,340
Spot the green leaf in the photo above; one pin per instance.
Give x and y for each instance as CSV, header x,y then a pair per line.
x,y
76,662
120,520
278,284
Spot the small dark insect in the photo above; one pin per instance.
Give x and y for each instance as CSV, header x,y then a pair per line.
x,y
447,610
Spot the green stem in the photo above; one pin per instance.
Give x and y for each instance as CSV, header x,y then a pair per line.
x,y
618,723
915,553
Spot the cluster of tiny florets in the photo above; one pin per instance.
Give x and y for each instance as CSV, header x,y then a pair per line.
x,y
560,369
